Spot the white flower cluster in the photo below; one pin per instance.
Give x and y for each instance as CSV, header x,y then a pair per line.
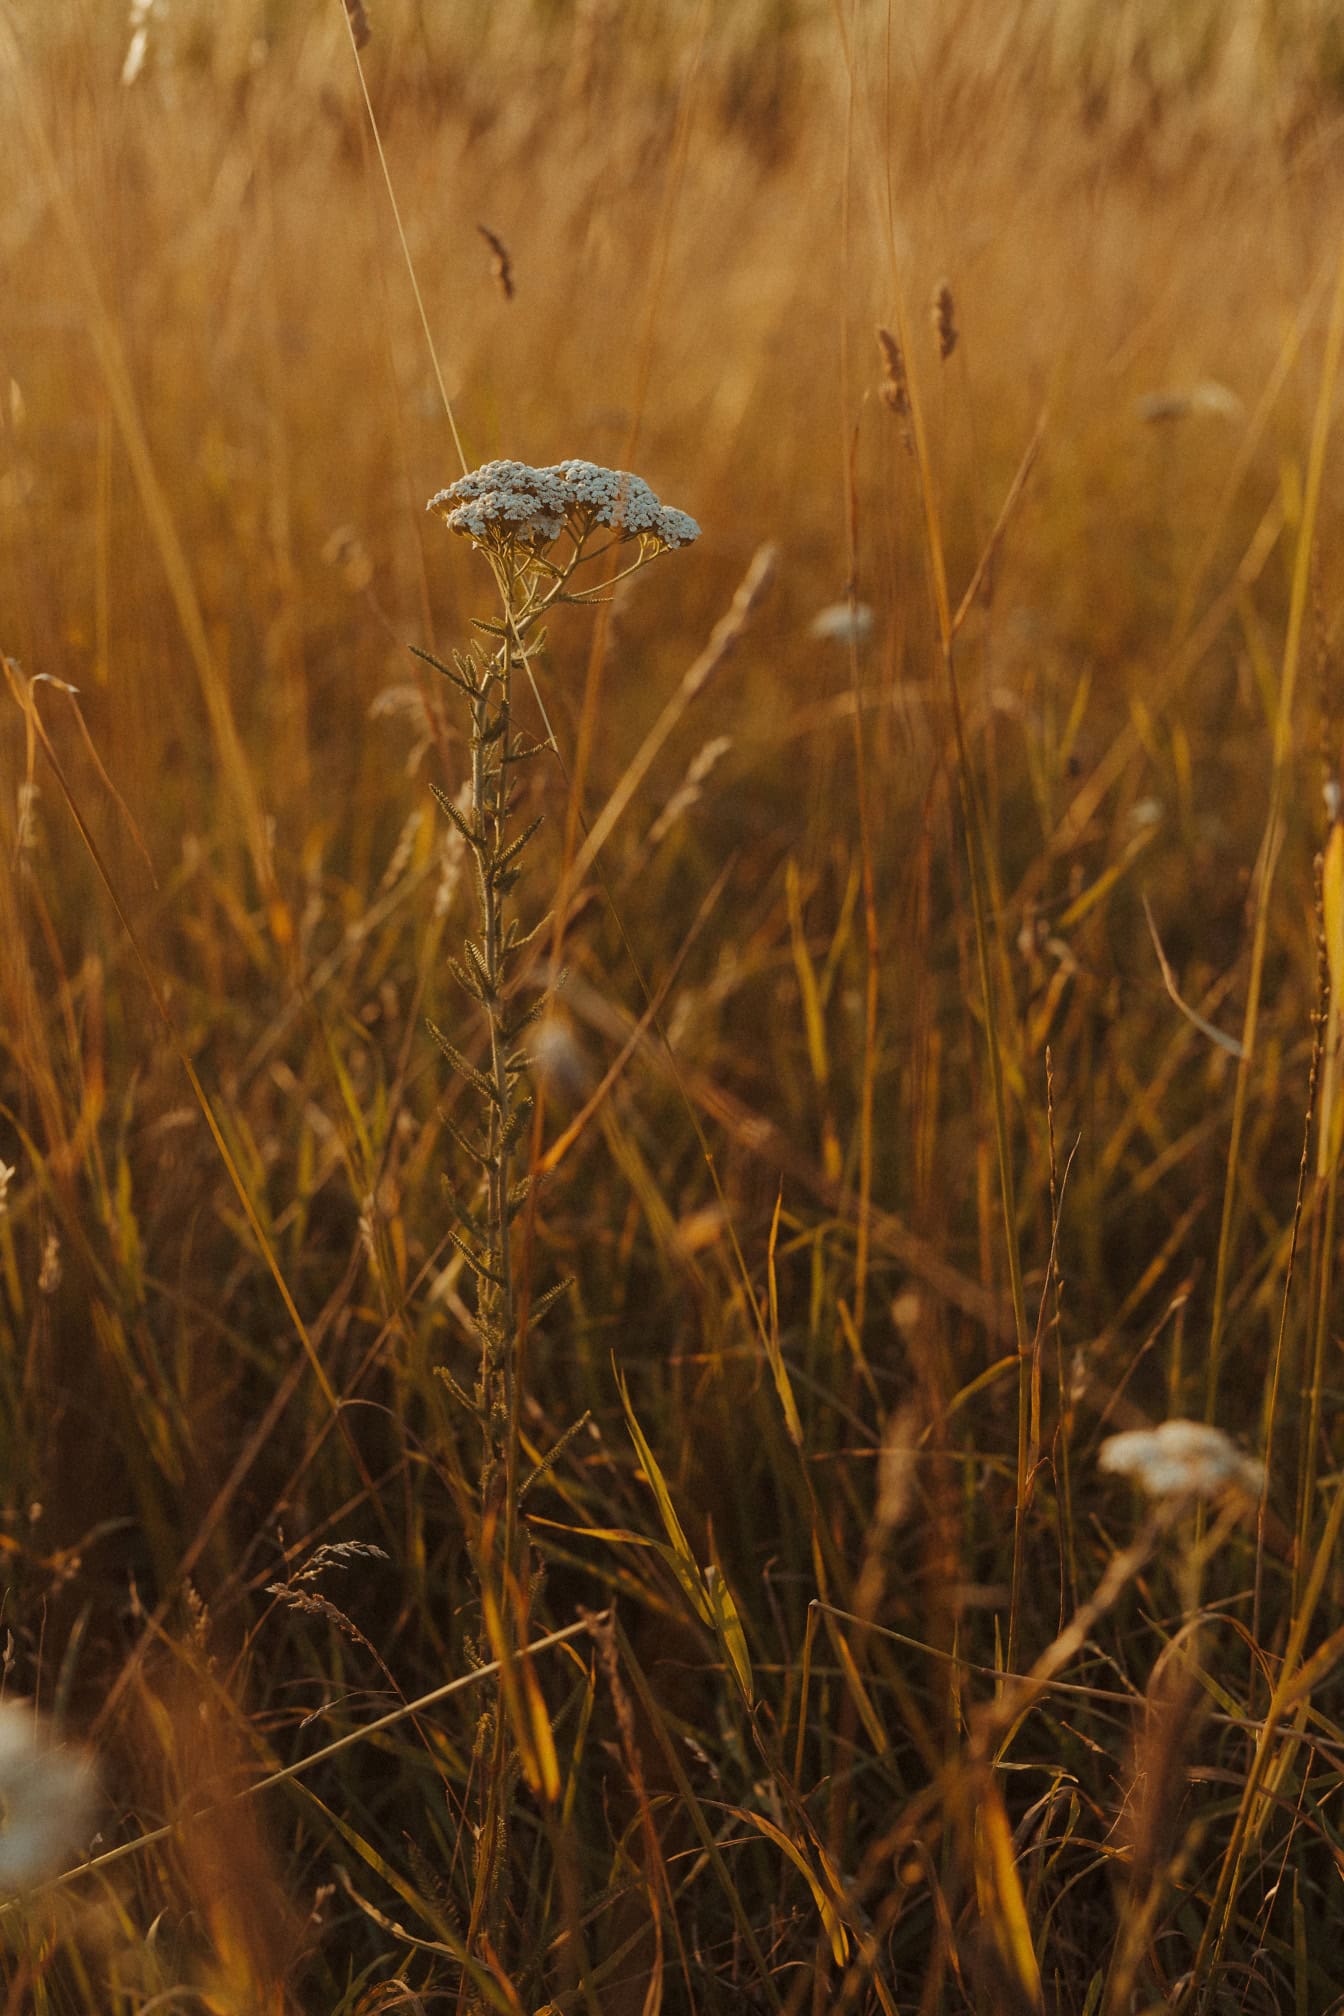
x,y
517,501
842,623
1181,1459
47,1793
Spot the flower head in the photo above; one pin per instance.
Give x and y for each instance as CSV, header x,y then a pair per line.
x,y
616,498
512,501
842,623
1181,1459
47,1792
510,498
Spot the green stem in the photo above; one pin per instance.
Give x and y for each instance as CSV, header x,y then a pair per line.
x,y
491,749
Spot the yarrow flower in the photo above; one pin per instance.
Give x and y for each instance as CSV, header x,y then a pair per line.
x,y
513,514
47,1793
510,501
842,623
1181,1459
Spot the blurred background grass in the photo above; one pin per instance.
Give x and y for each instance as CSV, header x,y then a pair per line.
x,y
221,419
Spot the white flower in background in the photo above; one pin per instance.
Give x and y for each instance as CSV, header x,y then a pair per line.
x,y
1207,397
512,500
561,1063
48,1793
1181,1459
842,623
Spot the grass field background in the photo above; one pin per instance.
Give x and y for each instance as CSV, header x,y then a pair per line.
x,y
227,899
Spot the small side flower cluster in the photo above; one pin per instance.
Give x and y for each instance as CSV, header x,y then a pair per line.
x,y
48,1795
513,501
1181,1459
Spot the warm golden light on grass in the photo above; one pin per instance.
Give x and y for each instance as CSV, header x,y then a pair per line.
x,y
793,1465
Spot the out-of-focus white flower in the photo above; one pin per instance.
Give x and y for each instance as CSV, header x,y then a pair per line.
x,y
48,1793
512,500
1208,396
1181,1459
560,1062
842,623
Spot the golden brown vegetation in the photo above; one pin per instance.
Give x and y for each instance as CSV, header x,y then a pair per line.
x,y
894,1163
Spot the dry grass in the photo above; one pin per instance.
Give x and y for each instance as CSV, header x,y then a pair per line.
x,y
853,1306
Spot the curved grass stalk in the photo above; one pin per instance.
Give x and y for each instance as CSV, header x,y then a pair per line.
x,y
1292,653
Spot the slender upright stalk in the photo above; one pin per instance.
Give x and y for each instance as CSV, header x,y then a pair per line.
x,y
515,515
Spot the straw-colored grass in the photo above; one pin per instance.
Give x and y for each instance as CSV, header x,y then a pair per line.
x,y
944,1075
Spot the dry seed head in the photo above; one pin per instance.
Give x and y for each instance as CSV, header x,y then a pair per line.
x,y
26,836
691,788
501,265
359,23
49,1275
337,1554
896,1468
346,551
944,311
894,389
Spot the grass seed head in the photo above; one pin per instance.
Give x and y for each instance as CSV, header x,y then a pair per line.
x,y
944,312
894,389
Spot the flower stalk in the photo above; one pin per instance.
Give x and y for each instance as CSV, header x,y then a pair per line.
x,y
536,528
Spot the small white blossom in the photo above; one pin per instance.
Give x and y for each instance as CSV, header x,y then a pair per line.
x,y
1181,1459
1208,396
559,1060
48,1793
512,500
843,623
